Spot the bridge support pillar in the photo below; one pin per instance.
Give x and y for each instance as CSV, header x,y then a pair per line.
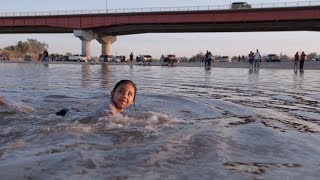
x,y
86,37
106,42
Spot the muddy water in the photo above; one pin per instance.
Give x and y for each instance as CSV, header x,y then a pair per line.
x,y
187,123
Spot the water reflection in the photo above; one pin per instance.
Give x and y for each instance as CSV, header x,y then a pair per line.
x,y
85,72
105,75
207,74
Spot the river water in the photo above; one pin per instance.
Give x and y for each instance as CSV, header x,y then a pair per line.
x,y
187,123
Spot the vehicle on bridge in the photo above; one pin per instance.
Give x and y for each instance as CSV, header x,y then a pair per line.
x,y
78,58
240,5
272,58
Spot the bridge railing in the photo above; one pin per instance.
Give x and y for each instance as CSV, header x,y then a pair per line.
x,y
160,9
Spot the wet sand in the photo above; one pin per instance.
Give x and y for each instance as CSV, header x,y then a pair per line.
x,y
314,65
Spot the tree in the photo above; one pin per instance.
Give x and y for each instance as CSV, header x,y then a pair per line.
x,y
68,54
31,47
22,47
311,55
183,59
37,47
197,58
285,58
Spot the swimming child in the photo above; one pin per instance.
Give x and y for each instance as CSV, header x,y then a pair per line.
x,y
122,96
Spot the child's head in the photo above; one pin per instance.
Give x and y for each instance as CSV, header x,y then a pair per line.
x,y
123,94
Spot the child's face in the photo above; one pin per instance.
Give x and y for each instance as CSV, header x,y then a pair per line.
x,y
123,96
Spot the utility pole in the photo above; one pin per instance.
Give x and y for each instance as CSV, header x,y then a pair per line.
x,y
106,4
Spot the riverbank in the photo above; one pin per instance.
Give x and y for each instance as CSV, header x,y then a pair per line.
x,y
315,65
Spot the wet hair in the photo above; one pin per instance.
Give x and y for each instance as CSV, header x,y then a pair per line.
x,y
124,82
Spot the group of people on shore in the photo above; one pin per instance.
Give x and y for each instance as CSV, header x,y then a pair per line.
x,y
44,56
208,59
254,59
299,59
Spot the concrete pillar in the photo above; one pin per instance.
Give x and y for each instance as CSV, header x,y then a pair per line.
x,y
86,37
86,50
106,42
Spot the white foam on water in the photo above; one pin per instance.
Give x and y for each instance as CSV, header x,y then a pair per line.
x,y
148,122
9,105
235,109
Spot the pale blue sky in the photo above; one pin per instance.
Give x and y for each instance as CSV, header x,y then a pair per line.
x,y
182,44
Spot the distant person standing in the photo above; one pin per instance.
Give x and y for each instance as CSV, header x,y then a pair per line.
x,y
210,56
296,60
251,57
131,57
257,57
206,59
46,55
302,58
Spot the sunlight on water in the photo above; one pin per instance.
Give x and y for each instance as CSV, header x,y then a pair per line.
x,y
187,122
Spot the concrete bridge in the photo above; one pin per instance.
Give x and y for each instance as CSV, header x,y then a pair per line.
x,y
107,26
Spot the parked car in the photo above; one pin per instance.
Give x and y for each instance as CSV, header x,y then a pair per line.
x,y
116,59
240,5
122,58
78,57
170,58
105,58
272,58
224,59
316,58
63,58
146,58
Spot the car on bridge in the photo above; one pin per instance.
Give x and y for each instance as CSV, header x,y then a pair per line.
x,y
240,5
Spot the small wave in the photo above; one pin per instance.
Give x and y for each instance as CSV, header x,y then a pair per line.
x,y
235,109
57,96
9,105
307,115
286,98
148,122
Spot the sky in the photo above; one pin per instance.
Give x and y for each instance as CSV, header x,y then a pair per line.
x,y
156,44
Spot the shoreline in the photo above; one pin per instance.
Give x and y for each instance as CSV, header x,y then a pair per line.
x,y
308,65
